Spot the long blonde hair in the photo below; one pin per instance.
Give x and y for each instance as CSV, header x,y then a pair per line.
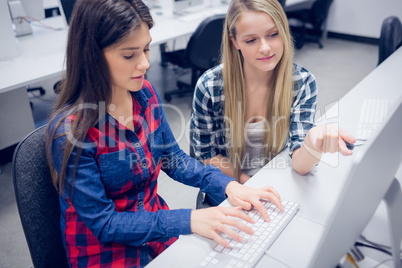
x,y
279,102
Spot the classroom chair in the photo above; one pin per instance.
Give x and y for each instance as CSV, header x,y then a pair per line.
x,y
38,201
201,53
307,21
390,37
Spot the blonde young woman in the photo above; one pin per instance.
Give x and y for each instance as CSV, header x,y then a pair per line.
x,y
257,102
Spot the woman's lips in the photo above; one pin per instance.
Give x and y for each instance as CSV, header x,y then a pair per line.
x,y
265,58
138,78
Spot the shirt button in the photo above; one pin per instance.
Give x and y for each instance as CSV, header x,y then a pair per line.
x,y
144,165
142,184
140,203
144,244
137,144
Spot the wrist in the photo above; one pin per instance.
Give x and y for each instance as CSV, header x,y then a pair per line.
x,y
243,177
229,187
311,151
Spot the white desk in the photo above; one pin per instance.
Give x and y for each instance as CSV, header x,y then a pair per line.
x,y
42,57
42,53
316,192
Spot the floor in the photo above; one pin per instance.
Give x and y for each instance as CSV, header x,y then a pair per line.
x,y
338,67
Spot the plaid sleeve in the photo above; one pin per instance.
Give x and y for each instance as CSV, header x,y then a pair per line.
x,y
206,115
303,108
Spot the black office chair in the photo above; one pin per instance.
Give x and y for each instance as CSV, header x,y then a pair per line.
x,y
202,53
282,2
38,201
307,21
390,37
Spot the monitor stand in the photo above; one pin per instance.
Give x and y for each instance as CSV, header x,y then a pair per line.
x,y
393,202
9,47
22,27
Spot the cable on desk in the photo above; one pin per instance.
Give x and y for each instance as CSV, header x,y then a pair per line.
x,y
374,243
359,244
352,260
30,20
356,254
378,246
383,248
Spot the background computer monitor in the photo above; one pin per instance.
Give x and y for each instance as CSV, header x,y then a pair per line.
x,y
66,8
180,6
29,10
34,8
370,177
9,47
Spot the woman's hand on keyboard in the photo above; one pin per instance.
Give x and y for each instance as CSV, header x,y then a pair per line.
x,y
247,197
209,222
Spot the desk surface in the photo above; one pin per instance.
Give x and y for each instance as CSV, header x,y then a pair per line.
x,y
41,56
316,192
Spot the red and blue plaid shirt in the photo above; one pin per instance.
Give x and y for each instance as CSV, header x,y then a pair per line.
x,y
111,215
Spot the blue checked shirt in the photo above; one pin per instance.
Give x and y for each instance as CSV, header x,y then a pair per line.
x,y
207,120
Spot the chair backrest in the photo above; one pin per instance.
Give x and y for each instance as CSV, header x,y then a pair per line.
x,y
203,48
282,2
390,37
38,201
319,12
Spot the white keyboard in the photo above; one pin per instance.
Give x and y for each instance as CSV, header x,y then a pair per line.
x,y
248,252
372,114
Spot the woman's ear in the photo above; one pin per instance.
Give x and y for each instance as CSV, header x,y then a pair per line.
x,y
234,42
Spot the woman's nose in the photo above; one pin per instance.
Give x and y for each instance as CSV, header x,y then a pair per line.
x,y
144,63
264,47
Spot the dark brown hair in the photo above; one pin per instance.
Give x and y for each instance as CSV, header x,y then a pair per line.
x,y
94,25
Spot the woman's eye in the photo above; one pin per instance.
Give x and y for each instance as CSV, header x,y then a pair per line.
x,y
128,56
250,41
273,35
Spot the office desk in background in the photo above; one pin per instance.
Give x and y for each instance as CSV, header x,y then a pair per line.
x,y
42,57
316,192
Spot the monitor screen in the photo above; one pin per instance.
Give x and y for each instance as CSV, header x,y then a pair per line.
x,y
371,175
66,8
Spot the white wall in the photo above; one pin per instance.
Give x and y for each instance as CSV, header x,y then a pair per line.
x,y
361,17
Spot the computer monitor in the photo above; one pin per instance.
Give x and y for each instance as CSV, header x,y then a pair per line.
x,y
368,182
181,6
34,8
30,9
66,8
9,47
